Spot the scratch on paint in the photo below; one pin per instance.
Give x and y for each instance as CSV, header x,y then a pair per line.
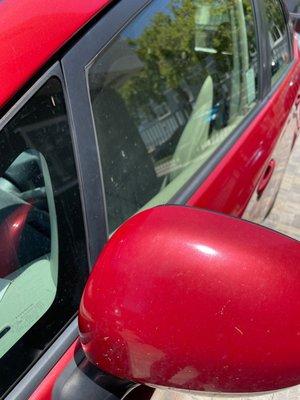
x,y
238,330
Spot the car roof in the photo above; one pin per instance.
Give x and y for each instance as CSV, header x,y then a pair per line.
x,y
32,31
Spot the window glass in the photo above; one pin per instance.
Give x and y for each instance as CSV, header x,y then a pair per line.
x,y
165,95
278,38
43,264
28,246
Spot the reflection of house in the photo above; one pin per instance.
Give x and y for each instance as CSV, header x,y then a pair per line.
x,y
293,5
169,116
279,46
123,63
164,119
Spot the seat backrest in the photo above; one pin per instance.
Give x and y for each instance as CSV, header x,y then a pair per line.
x,y
196,131
128,170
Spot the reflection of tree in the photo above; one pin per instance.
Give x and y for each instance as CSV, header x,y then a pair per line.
x,y
167,50
274,14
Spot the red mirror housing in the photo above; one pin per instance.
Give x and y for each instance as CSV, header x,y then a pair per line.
x,y
191,299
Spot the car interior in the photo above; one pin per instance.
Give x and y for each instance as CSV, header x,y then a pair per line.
x,y
28,246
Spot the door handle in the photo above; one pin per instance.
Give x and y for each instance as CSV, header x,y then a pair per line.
x,y
266,177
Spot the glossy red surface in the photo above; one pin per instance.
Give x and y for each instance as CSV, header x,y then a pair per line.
x,y
32,31
267,175
191,299
229,187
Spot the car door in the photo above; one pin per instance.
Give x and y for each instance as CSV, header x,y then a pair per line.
x,y
261,153
135,119
263,198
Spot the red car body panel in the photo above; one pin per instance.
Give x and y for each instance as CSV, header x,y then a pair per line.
x,y
31,33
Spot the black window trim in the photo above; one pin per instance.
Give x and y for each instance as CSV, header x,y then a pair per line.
x,y
264,79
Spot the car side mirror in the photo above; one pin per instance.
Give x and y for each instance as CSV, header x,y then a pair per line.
x,y
191,299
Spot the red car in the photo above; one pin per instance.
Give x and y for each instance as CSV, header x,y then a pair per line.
x,y
109,108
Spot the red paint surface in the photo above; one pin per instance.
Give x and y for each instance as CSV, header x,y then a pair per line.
x,y
229,187
266,177
32,31
191,299
44,391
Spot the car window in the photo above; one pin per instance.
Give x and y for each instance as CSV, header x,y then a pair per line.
x,y
278,38
43,265
165,95
28,246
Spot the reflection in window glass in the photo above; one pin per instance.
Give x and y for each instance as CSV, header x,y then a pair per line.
x,y
165,95
278,38
28,246
43,264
